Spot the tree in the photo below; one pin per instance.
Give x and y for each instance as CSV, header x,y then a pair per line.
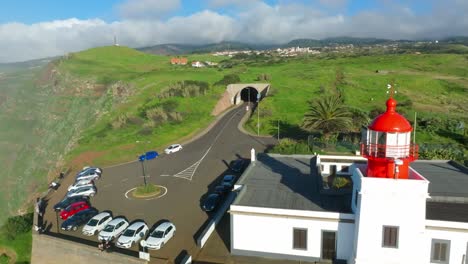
x,y
327,114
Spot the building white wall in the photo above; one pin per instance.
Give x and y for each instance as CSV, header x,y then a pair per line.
x,y
271,231
389,202
455,232
344,161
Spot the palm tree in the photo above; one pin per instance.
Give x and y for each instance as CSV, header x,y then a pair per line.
x,y
327,114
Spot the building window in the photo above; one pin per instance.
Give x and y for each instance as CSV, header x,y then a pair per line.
x,y
440,251
390,237
299,238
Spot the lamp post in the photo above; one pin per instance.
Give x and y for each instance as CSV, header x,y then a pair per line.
x,y
142,159
258,114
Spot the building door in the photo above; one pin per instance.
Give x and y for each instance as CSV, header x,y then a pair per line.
x,y
328,245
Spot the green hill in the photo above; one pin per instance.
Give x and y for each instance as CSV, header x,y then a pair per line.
x,y
434,85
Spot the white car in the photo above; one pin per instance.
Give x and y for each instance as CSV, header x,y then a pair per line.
x,y
113,229
89,173
173,148
79,184
96,224
82,191
160,235
132,235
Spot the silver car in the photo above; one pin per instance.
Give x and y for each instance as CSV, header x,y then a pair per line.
x,y
132,235
89,173
160,235
96,224
113,229
79,184
82,191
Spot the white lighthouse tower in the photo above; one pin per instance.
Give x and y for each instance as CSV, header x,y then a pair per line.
x,y
389,198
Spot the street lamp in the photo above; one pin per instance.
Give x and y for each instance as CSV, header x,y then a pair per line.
x,y
258,113
142,159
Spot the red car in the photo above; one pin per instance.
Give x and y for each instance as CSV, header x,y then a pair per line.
x,y
73,209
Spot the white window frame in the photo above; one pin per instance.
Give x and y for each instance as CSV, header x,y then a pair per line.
x,y
447,252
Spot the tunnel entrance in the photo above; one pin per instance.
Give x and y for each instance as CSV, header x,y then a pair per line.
x,y
249,94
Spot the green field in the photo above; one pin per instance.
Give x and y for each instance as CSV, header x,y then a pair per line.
x,y
434,85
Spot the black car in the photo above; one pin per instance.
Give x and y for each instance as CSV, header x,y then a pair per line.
x,y
222,189
69,200
211,202
78,219
238,165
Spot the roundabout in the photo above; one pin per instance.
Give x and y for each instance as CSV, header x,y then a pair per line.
x,y
149,192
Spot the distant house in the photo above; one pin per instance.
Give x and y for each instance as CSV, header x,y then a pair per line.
x,y
210,63
198,64
179,61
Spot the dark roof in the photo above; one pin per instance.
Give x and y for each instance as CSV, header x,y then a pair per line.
x,y
457,212
288,182
447,178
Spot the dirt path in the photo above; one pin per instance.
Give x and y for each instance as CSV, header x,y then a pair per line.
x,y
10,253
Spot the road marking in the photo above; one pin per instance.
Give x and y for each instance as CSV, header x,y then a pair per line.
x,y
189,172
124,180
126,194
107,185
164,175
157,197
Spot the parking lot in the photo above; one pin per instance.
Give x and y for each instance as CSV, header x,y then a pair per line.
x,y
188,176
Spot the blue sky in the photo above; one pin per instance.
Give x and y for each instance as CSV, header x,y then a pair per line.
x,y
47,10
31,29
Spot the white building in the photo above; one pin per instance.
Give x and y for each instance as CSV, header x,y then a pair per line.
x,y
392,212
198,64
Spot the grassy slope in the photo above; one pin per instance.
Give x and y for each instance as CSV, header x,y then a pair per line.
x,y
294,81
148,75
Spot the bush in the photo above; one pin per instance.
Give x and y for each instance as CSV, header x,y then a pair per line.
x,y
17,225
441,152
229,79
4,259
158,115
340,182
184,89
119,122
263,77
135,120
175,116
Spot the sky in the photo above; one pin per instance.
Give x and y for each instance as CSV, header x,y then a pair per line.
x,y
31,29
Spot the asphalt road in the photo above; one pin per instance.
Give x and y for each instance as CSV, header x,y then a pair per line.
x,y
188,176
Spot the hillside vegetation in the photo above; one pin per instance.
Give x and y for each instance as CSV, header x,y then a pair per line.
x,y
434,85
160,103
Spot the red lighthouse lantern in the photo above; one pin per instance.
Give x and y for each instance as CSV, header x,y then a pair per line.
x,y
387,146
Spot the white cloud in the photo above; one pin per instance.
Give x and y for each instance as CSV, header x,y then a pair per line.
x,y
220,3
147,9
261,23
334,3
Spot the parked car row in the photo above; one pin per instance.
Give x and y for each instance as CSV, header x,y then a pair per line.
x,y
213,199
125,234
